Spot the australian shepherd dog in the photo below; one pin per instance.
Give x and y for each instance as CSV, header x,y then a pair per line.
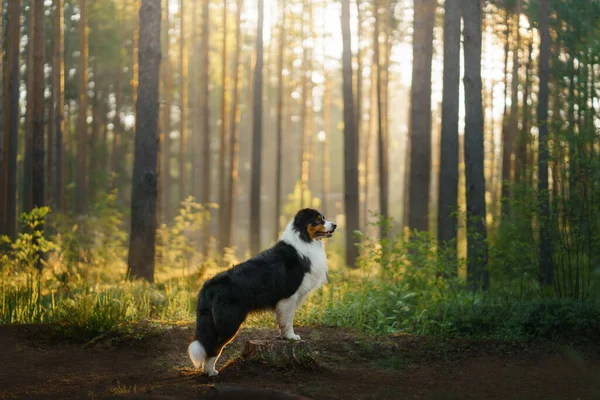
x,y
277,279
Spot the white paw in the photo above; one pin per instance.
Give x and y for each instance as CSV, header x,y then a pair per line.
x,y
214,372
292,336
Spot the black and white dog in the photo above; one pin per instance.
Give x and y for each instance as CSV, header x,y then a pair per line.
x,y
279,278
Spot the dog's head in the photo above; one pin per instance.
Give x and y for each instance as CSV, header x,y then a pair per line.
x,y
312,225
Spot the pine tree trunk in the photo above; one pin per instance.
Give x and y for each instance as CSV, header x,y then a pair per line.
x,y
279,123
506,139
205,110
118,127
521,153
350,141
448,177
234,133
223,229
370,133
183,104
255,184
358,103
165,168
477,253
145,177
82,135
382,154
514,100
545,267
38,176
57,111
8,172
304,110
328,131
27,191
420,115
93,183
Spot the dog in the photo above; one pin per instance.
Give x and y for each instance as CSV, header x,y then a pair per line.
x,y
277,279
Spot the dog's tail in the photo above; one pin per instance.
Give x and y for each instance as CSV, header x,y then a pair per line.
x,y
197,354
205,339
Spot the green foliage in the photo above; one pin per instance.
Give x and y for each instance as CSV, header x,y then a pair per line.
x,y
177,245
402,285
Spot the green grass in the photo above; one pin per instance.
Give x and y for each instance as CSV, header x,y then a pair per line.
x,y
82,290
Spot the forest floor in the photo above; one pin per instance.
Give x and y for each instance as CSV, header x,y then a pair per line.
x,y
34,364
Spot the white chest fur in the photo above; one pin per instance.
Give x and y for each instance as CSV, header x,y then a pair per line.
x,y
315,252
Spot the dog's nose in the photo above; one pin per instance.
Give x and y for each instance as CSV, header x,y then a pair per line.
x,y
333,226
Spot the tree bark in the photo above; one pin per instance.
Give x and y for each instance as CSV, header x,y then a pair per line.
x,y
350,141
183,103
234,147
382,150
521,173
305,88
420,115
166,123
57,111
27,191
223,229
118,128
8,173
514,102
328,131
506,139
255,183
82,135
448,177
477,252
545,267
205,110
279,123
145,179
37,157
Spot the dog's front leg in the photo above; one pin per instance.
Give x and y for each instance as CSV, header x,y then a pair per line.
x,y
284,311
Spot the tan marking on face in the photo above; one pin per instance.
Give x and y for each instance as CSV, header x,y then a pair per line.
x,y
313,230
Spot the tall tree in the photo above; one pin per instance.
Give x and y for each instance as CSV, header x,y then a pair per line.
x,y
306,90
255,183
37,86
57,122
381,132
205,111
145,176
82,135
545,267
183,103
477,255
27,191
8,172
448,178
165,168
118,126
506,138
223,229
279,123
420,114
234,134
350,141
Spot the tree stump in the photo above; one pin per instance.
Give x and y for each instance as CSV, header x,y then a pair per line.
x,y
280,353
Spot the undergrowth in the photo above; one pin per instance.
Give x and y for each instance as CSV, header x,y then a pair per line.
x,y
401,286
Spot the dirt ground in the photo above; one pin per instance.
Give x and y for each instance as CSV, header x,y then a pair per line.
x,y
351,366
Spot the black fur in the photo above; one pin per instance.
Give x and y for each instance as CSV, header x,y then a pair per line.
x,y
257,284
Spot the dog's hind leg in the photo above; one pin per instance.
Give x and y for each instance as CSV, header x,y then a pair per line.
x,y
284,312
227,320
